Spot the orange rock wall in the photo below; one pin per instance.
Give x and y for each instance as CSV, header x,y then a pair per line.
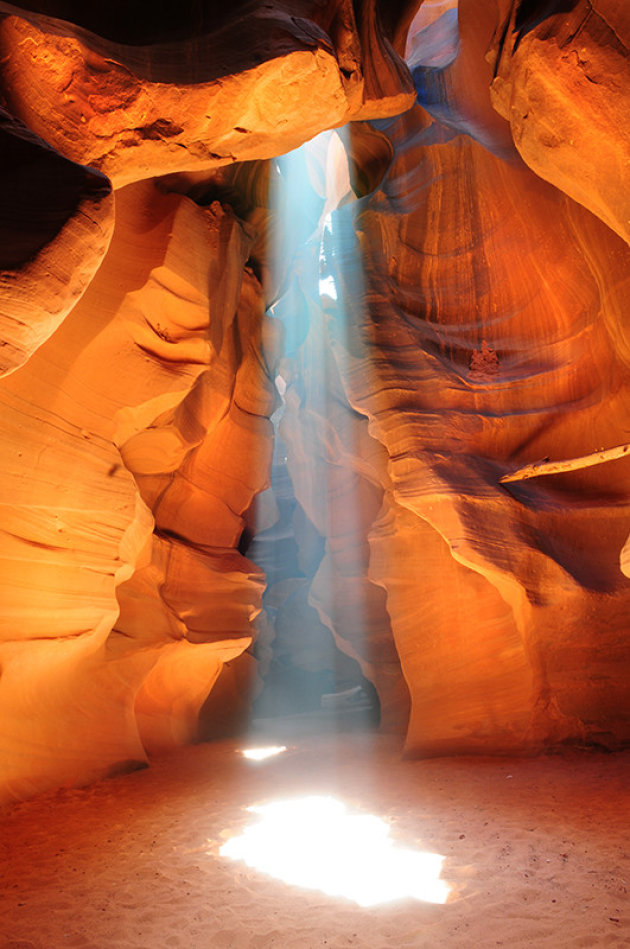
x,y
139,358
502,346
135,417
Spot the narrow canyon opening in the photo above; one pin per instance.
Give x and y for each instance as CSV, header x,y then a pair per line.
x,y
314,508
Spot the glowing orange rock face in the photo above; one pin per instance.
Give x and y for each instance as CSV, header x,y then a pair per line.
x,y
493,333
136,409
134,358
505,344
562,83
233,93
137,435
56,220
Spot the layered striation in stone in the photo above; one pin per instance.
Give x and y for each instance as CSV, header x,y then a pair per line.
x,y
153,383
56,220
561,79
469,318
490,338
232,91
137,430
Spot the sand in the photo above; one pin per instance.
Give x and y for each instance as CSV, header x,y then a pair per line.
x,y
536,853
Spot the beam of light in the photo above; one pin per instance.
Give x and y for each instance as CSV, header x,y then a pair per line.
x,y
317,294
309,185
315,843
323,486
259,754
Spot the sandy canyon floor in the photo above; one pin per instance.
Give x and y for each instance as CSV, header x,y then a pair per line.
x,y
536,853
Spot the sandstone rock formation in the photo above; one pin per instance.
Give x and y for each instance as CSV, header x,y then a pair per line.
x,y
561,80
137,436
518,361
462,295
233,92
56,220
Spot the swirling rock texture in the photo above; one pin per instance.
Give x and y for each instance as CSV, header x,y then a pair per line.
x,y
137,435
495,333
56,223
485,328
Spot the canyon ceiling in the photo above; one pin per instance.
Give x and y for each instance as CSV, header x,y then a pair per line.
x,y
152,576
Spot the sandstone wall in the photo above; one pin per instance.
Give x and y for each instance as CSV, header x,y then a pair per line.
x,y
479,323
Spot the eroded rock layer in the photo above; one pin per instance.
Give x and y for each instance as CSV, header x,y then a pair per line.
x,y
562,80
137,435
234,91
136,367
56,220
503,342
455,309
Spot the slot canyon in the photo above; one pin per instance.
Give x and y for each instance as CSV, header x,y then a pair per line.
x,y
315,406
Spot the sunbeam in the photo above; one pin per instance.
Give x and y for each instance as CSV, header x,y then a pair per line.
x,y
322,653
